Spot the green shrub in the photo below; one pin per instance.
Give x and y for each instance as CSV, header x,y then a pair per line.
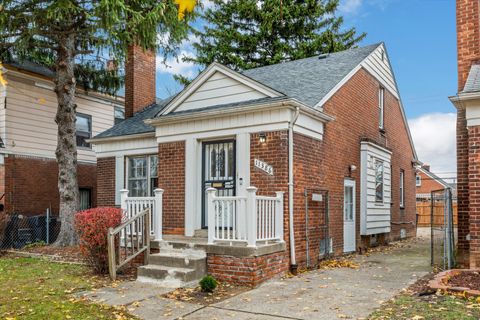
x,y
208,284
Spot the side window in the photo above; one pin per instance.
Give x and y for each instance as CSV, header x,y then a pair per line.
x,y
402,188
379,181
418,180
381,115
119,114
83,126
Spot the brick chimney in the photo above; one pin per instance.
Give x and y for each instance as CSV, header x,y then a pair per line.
x,y
139,80
468,38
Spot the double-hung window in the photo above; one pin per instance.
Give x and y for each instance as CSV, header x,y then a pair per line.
x,y
379,181
381,103
119,114
418,180
142,176
83,126
402,188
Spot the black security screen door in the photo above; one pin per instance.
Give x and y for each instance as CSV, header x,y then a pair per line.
x,y
218,170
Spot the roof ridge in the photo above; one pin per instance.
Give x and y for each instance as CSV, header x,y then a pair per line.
x,y
315,56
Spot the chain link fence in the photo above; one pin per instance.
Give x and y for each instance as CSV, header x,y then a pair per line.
x,y
443,236
18,231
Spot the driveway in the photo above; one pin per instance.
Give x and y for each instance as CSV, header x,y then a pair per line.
x,y
340,293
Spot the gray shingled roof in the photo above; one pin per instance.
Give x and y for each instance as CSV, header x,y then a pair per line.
x,y
135,124
310,79
32,67
307,80
473,80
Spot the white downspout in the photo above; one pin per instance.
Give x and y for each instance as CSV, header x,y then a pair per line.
x,y
293,260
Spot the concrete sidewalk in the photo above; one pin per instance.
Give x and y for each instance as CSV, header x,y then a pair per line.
x,y
321,294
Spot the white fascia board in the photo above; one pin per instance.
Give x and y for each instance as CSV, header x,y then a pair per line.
x,y
206,74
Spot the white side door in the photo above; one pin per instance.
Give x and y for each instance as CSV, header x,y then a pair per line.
x,y
349,215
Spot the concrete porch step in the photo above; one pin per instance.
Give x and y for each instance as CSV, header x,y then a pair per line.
x,y
181,259
169,276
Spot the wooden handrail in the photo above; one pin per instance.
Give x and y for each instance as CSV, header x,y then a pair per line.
x,y
131,238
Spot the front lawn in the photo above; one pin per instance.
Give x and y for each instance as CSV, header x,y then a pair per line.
x,y
34,288
432,307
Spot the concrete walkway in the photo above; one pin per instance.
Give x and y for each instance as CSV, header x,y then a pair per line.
x,y
340,293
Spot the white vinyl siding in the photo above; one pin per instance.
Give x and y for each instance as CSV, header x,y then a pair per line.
x,y
3,94
30,119
381,69
374,214
219,89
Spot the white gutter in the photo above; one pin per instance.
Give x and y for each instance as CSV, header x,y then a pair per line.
x,y
293,260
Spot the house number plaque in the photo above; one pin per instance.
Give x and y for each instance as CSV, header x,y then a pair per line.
x,y
265,167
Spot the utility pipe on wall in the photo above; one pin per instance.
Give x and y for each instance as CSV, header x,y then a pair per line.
x,y
293,259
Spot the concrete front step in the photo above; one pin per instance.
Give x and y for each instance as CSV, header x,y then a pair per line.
x,y
170,276
180,259
178,262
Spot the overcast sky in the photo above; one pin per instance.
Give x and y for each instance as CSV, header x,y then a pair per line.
x,y
421,42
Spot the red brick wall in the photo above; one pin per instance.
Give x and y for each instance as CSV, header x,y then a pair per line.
x,y
106,182
139,80
355,108
474,194
31,184
468,38
309,175
249,271
171,178
428,184
462,189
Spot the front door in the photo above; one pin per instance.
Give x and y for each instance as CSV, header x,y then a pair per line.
x,y
349,216
218,170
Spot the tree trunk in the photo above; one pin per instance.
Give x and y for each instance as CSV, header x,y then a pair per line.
x,y
65,85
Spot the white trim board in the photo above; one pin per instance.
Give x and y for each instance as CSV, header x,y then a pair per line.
x,y
205,76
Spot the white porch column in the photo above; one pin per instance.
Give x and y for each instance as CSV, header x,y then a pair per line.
x,y
211,214
243,163
279,218
119,177
191,206
123,199
158,215
251,217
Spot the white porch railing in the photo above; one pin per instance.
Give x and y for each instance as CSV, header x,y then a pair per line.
x,y
133,205
249,219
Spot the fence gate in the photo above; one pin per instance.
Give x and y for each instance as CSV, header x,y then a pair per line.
x,y
442,235
317,233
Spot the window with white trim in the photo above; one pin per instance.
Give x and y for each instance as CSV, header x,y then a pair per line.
x,y
119,114
381,100
418,180
402,188
142,175
83,127
378,181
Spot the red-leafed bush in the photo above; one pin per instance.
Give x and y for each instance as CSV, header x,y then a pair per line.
x,y
92,228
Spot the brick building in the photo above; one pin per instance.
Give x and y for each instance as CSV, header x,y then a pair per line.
x,y
467,102
28,135
427,181
266,169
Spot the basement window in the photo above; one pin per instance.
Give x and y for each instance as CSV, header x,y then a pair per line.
x,y
83,126
142,175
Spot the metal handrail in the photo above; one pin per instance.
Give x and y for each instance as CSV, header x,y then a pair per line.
x,y
131,238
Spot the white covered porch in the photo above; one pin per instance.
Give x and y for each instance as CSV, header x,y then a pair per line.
x,y
249,220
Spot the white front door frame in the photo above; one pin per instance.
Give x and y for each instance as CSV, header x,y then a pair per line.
x,y
349,213
193,175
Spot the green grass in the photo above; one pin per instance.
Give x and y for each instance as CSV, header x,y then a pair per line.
x,y
429,308
33,288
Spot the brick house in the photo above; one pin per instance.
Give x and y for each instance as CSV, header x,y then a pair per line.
x,y
427,181
467,102
28,133
266,169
